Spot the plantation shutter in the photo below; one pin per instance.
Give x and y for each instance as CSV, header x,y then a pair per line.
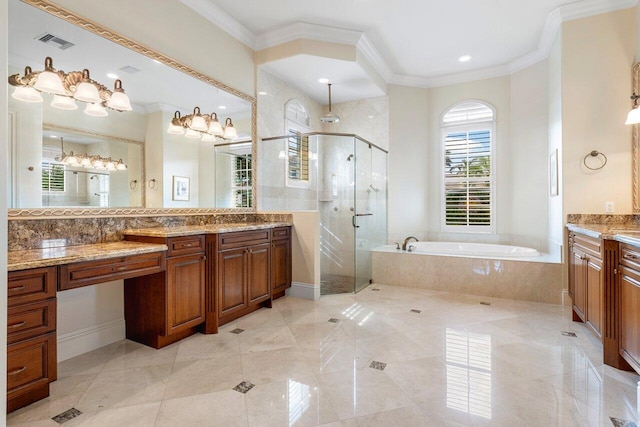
x,y
52,177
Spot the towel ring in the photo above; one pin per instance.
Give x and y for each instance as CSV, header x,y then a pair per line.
x,y
133,184
595,153
152,183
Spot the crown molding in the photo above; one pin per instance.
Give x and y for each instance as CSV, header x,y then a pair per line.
x,y
302,30
223,20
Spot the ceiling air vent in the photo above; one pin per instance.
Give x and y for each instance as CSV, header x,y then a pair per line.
x,y
50,38
129,69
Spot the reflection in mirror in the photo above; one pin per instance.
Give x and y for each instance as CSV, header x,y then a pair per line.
x,y
156,92
89,181
233,168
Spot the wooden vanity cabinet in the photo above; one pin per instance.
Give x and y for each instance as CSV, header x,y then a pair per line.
x,y
629,305
165,307
31,335
586,280
280,261
243,273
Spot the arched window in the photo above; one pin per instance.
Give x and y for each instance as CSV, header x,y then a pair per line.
x,y
296,123
468,152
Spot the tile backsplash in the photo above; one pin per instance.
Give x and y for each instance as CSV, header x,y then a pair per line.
x,y
39,233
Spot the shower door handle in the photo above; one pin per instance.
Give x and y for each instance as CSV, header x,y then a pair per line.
x,y
365,214
353,221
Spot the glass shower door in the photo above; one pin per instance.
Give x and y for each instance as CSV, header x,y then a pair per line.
x,y
370,221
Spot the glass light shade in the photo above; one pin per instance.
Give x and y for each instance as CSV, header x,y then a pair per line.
x,y
110,165
70,160
95,110
87,92
190,133
198,123
121,166
49,82
215,128
175,129
119,101
633,117
230,132
85,161
64,103
97,163
26,94
207,137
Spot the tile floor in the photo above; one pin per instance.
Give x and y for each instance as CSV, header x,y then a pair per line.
x,y
456,362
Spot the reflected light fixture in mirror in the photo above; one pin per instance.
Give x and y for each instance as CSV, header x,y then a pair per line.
x,y
634,115
198,126
65,87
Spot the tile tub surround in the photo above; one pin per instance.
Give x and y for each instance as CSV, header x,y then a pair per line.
x,y
518,280
39,233
310,372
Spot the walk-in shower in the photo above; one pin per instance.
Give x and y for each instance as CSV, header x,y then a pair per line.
x,y
344,178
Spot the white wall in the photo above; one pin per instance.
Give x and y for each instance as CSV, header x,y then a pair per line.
x,y
597,56
527,203
554,98
408,162
4,167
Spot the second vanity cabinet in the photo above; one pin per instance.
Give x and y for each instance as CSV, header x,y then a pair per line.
x,y
629,316
586,281
165,307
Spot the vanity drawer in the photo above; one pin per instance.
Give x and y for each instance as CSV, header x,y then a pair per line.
x,y
185,245
31,285
630,256
281,233
30,320
31,364
588,245
91,272
240,239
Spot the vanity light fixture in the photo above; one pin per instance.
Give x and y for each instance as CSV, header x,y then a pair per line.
x,y
201,126
634,115
88,161
69,86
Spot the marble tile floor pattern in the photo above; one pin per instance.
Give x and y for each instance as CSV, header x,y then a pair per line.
x,y
455,363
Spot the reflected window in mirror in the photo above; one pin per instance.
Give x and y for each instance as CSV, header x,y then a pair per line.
x,y
234,178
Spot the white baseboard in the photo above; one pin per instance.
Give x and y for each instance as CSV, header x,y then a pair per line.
x,y
304,290
88,339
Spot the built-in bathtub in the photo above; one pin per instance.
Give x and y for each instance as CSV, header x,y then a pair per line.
x,y
493,270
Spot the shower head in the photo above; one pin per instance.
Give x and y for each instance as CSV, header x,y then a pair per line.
x,y
93,176
373,188
350,157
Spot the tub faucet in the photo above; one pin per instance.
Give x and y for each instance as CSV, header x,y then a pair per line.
x,y
404,245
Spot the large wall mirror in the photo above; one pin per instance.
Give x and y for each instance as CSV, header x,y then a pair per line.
x,y
635,146
42,134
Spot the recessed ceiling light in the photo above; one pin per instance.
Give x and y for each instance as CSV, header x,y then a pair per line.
x,y
157,62
112,75
262,92
323,80
222,107
371,117
465,58
53,136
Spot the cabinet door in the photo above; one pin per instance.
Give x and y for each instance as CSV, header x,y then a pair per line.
x,y
630,316
281,265
258,263
185,292
232,292
594,294
579,284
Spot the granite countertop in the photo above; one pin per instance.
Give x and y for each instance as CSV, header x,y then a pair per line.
x,y
46,257
625,233
202,229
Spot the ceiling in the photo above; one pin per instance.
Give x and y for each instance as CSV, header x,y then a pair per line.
x,y
411,42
